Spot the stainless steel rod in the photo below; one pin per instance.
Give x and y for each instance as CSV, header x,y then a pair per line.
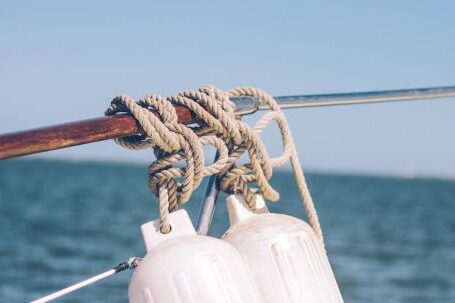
x,y
131,263
212,190
246,106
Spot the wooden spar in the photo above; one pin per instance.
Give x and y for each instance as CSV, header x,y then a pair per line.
x,y
75,133
99,129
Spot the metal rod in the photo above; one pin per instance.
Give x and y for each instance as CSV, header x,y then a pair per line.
x,y
131,263
207,211
74,287
208,204
287,102
104,128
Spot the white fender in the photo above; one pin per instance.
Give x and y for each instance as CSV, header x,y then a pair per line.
x,y
287,261
182,266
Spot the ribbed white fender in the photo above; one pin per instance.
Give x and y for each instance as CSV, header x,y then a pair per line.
x,y
184,267
287,261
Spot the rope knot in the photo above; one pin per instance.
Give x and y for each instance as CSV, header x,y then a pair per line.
x,y
179,149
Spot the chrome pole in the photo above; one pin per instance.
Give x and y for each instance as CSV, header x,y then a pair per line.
x,y
247,105
131,263
208,204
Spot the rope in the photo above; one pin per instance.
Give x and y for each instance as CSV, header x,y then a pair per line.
x,y
173,182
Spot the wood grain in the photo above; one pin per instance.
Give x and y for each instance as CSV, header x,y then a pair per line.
x,y
75,133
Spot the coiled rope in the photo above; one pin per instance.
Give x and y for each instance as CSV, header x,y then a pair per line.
x,y
174,143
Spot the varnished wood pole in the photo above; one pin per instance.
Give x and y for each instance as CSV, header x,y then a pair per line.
x,y
98,129
74,133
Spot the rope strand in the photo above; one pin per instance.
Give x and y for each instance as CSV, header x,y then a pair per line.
x,y
174,142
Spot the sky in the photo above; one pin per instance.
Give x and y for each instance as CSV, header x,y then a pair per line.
x,y
64,60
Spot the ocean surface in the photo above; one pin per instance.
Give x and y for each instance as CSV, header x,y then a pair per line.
x,y
388,239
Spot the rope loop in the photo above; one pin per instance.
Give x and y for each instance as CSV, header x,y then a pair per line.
x,y
179,149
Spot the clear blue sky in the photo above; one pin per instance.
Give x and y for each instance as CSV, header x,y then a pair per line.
x,y
64,60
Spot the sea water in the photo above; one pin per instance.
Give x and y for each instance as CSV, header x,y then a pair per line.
x,y
388,239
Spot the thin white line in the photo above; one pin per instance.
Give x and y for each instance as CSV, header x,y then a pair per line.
x,y
74,287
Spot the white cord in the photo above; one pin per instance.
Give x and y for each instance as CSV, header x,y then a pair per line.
x,y
75,287
131,263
